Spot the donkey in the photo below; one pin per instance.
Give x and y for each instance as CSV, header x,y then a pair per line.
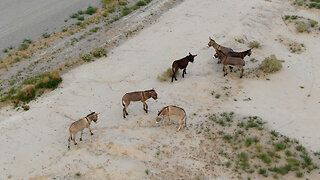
x,y
237,54
79,125
173,111
142,96
181,64
217,47
241,54
233,61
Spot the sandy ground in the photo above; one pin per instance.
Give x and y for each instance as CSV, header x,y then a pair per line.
x,y
34,143
21,20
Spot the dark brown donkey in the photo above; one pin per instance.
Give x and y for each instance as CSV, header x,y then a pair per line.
x,y
142,96
181,64
217,47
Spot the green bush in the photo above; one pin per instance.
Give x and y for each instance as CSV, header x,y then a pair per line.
x,y
23,46
74,15
91,10
271,64
80,18
45,35
86,57
126,11
25,96
99,52
141,3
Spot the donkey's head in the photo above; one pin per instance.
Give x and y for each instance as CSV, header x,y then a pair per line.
x,y
249,52
93,116
154,94
191,57
211,42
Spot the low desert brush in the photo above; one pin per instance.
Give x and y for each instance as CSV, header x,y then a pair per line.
x,y
271,64
165,76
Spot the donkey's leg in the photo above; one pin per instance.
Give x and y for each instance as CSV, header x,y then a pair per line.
x,y
184,72
230,67
124,111
224,71
90,130
69,139
173,74
145,106
81,135
74,138
241,74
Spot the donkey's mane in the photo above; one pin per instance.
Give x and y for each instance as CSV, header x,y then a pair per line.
x,y
151,90
167,107
246,51
162,110
91,114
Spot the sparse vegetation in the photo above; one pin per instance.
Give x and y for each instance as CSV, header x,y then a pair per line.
x,y
99,52
126,11
302,27
313,23
91,10
86,57
271,64
165,76
45,35
272,155
254,44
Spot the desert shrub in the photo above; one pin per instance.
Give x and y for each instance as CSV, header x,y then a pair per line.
x,y
122,3
165,76
86,57
23,46
148,1
313,23
134,7
254,44
126,11
94,30
99,52
74,15
91,10
271,64
50,81
141,3
80,18
45,35
80,12
27,41
26,94
302,27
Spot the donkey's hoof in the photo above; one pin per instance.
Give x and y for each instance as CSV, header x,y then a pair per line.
x,y
91,134
68,147
127,114
240,76
75,143
80,139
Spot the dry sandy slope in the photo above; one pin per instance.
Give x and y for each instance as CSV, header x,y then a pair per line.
x,y
34,142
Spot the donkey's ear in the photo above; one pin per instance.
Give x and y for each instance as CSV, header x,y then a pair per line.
x,y
195,55
210,38
90,111
190,54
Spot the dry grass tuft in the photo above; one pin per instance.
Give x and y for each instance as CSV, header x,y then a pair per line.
x,y
271,64
165,76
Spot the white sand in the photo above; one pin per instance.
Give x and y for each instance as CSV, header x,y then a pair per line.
x,y
34,143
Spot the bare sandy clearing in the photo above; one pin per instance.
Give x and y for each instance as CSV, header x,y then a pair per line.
x,y
122,148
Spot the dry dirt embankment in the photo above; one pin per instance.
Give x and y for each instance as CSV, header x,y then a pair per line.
x,y
34,142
